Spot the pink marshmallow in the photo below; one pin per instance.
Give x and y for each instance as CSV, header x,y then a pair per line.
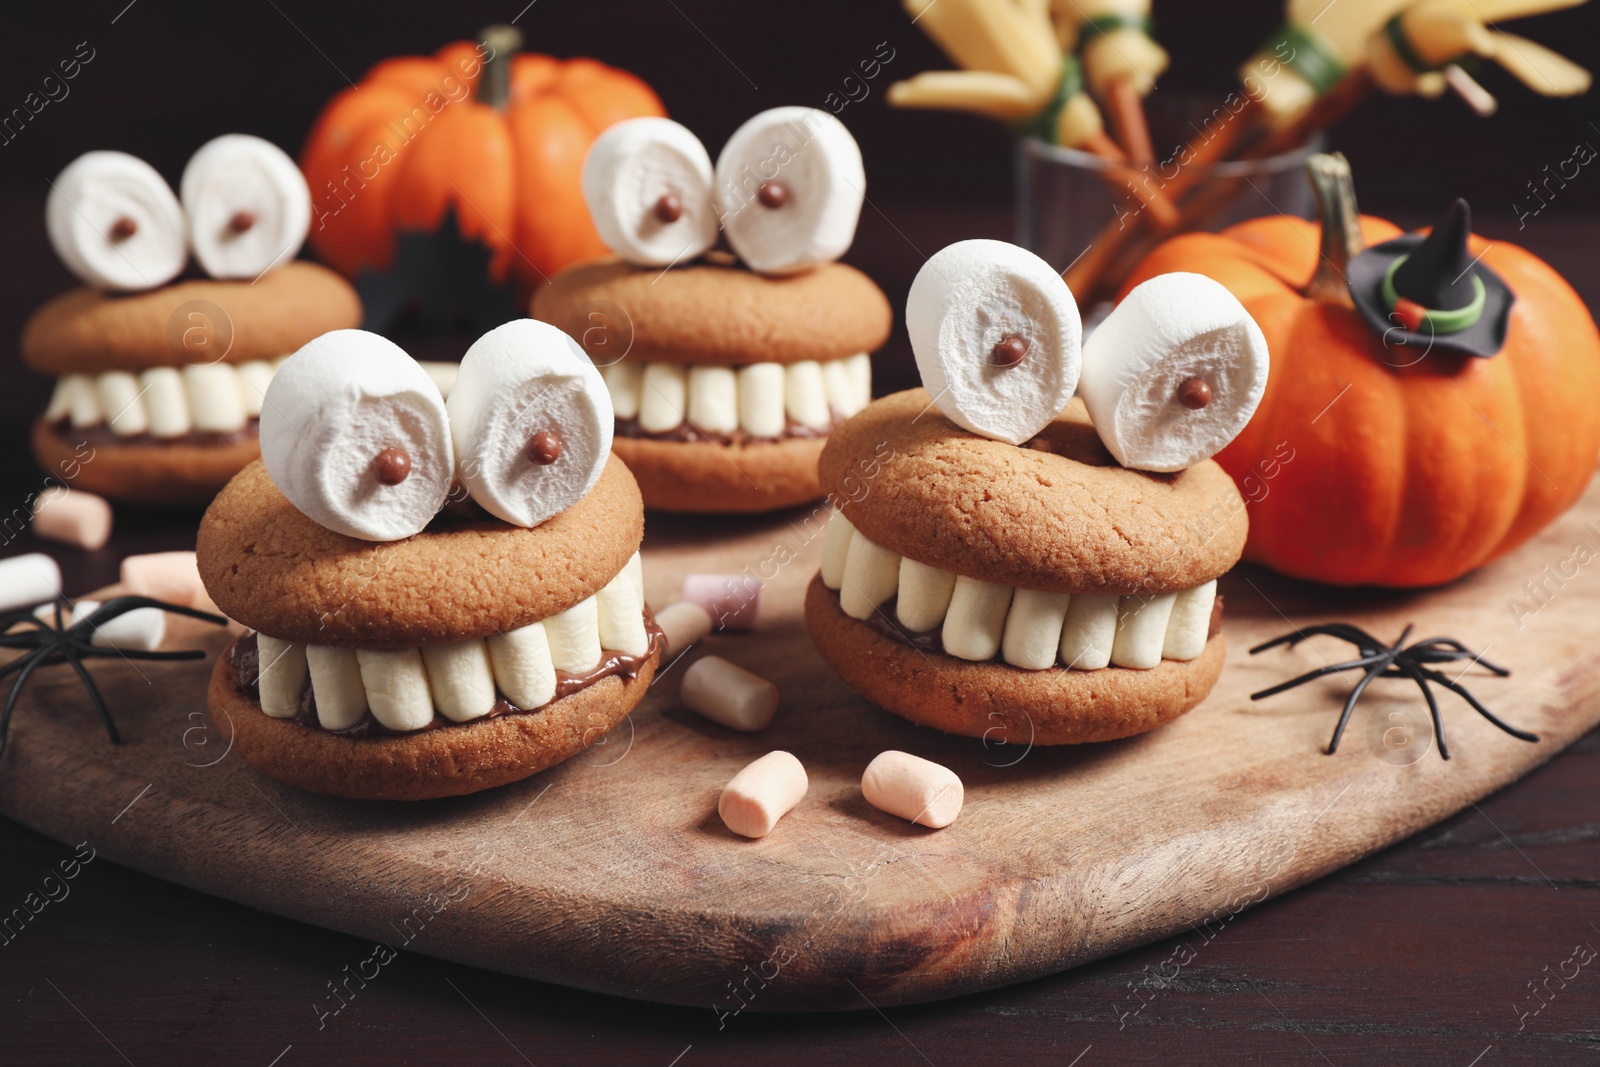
x,y
757,797
73,518
169,576
732,600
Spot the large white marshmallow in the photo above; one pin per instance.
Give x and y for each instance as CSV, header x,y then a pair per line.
x,y
974,295
518,380
331,409
248,206
1168,330
630,168
115,223
816,161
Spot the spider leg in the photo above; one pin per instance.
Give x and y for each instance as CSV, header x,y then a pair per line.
x,y
29,664
1332,629
1415,673
1429,652
94,695
1354,664
123,604
1465,694
1350,706
135,653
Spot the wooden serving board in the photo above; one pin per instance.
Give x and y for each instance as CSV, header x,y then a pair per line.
x,y
613,873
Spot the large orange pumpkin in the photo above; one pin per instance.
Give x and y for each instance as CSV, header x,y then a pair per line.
x,y
497,136
1369,465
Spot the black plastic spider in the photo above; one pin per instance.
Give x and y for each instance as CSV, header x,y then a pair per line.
x,y
1398,660
73,644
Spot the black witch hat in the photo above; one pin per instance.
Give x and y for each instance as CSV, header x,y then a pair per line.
x,y
1427,292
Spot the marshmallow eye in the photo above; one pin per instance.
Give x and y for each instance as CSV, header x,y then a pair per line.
x,y
648,186
997,338
790,185
532,422
1174,373
355,435
248,206
114,222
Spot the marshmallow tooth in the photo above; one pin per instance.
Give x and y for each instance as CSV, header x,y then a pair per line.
x,y
355,434
461,679
532,422
1190,623
1142,630
621,613
789,188
574,637
1174,373
835,549
397,687
996,334
522,666
647,182
114,222
924,596
248,205
335,685
976,620
871,573
1033,629
281,677
1089,632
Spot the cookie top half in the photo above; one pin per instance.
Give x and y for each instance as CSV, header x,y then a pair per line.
x,y
715,312
268,566
85,331
1057,514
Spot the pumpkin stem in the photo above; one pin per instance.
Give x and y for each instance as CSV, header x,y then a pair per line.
x,y
500,43
1341,228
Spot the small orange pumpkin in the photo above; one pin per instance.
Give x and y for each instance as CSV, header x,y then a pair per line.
x,y
497,136
1367,464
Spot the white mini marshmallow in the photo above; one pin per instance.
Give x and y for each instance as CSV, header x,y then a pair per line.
x,y
924,792
574,637
1033,629
520,380
714,399
836,549
114,222
973,296
624,379
215,401
729,694
1169,330
761,401
1190,624
248,206
166,402
522,666
1142,630
118,393
461,679
976,620
332,408
139,630
762,793
281,676
663,397
336,686
396,684
871,575
682,625
923,598
806,395
620,606
817,163
1089,632
630,169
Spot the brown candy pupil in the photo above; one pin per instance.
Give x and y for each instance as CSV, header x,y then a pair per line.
x,y
1194,393
669,208
123,229
544,448
391,466
773,194
1010,350
241,221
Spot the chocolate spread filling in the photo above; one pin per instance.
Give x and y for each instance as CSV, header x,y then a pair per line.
x,y
102,434
886,622
245,658
684,433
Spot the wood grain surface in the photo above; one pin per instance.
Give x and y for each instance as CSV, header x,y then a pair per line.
x,y
613,873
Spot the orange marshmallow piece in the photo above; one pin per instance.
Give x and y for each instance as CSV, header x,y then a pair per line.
x,y
765,791
169,576
72,517
729,694
913,788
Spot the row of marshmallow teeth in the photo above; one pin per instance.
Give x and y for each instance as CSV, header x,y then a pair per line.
x,y
462,681
172,401
1027,628
759,399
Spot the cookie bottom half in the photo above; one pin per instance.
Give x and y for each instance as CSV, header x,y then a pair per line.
x,y
145,473
999,702
449,761
699,476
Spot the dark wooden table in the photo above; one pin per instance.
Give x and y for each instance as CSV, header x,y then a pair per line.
x,y
1428,953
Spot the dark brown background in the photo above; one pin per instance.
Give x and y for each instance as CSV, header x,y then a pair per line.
x,y
1419,953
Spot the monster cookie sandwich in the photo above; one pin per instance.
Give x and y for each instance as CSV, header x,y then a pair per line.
x,y
727,372
1017,571
406,644
159,382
